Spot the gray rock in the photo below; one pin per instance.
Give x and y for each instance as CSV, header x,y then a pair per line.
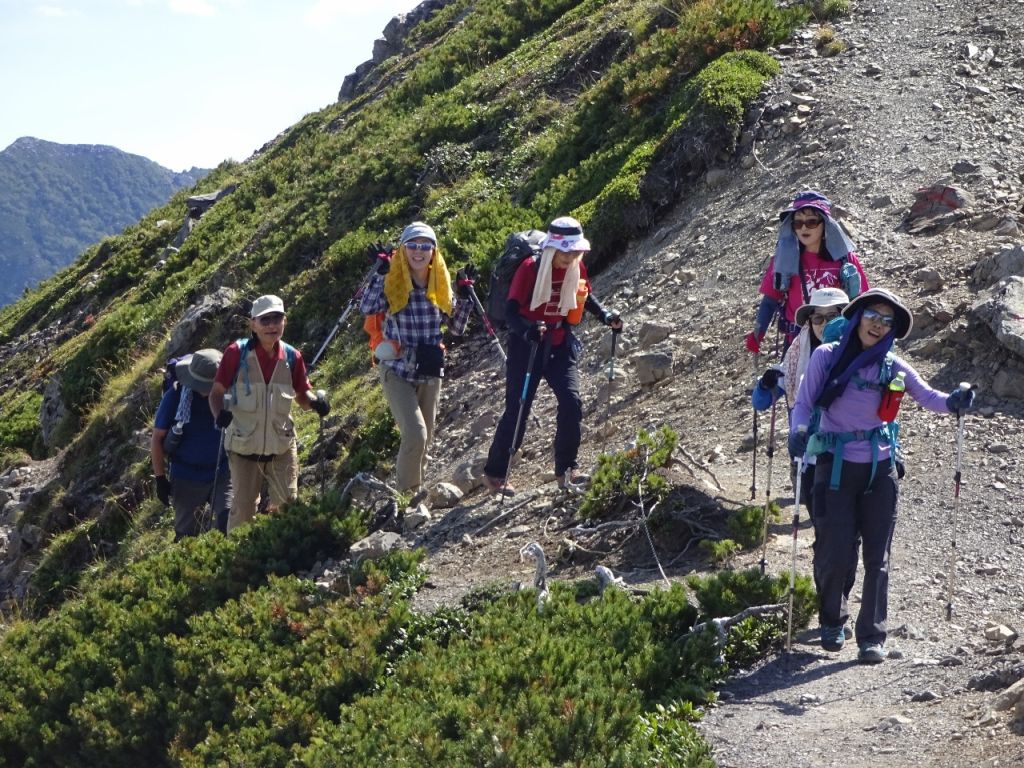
x,y
376,545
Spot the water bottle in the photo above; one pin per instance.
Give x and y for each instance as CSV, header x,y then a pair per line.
x,y
891,398
849,277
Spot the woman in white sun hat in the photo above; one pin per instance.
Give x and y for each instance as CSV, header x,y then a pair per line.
x,y
546,299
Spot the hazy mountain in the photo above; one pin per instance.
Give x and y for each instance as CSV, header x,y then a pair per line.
x,y
57,199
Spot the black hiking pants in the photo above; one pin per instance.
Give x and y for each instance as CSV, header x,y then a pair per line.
x,y
840,517
557,366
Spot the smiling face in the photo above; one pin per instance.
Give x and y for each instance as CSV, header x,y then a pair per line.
x,y
417,255
876,321
809,227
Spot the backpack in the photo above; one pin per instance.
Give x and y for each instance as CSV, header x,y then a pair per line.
x,y
170,375
519,246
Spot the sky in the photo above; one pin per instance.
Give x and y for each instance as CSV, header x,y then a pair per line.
x,y
183,82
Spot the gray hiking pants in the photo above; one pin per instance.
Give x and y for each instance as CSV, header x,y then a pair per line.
x,y
840,517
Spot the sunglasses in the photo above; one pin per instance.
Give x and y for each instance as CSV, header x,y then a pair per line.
x,y
808,223
420,246
877,317
271,318
817,319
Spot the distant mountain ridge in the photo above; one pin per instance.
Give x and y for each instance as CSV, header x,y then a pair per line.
x,y
57,199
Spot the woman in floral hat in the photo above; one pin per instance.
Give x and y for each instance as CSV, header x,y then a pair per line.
x,y
812,252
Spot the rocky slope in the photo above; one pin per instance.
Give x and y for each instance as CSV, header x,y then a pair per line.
x,y
909,104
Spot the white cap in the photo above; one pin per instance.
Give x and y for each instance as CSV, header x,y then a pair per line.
x,y
266,304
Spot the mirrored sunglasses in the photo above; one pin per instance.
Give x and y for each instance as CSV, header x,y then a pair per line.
x,y
877,317
271,318
420,246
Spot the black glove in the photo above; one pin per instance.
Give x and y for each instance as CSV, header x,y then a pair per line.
x,y
770,379
224,418
163,490
960,400
465,279
612,318
535,333
321,406
380,254
798,443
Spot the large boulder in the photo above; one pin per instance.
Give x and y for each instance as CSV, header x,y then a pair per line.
x,y
1001,308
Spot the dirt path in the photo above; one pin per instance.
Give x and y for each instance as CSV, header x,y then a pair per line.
x,y
921,87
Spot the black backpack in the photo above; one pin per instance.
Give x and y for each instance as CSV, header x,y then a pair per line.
x,y
519,246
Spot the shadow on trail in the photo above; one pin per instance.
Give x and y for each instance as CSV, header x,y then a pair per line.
x,y
804,668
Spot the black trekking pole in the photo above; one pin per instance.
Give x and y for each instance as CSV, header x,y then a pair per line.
x,y
956,504
792,567
768,486
487,323
216,468
344,315
534,346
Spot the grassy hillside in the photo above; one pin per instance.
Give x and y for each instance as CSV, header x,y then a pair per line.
x,y
500,115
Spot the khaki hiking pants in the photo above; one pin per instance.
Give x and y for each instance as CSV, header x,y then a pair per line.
x,y
247,474
414,407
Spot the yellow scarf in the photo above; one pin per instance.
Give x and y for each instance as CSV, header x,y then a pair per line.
x,y
398,283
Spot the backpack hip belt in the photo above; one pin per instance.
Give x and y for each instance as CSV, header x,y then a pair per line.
x,y
835,442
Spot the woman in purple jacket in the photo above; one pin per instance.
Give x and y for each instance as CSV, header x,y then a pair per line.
x,y
855,490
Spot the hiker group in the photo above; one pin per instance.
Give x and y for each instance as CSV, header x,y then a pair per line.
x,y
242,440
843,386
839,379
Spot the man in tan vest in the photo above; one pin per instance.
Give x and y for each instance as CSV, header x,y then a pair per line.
x,y
264,376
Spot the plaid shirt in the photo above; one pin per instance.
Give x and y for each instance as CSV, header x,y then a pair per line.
x,y
418,322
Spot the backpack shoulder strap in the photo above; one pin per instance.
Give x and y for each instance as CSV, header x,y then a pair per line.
x,y
289,355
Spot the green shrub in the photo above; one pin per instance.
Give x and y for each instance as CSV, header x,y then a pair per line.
x,y
720,551
19,422
621,478
746,524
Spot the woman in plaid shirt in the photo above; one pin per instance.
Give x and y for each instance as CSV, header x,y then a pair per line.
x,y
416,294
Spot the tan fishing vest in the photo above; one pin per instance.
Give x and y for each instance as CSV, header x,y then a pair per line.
x,y
262,423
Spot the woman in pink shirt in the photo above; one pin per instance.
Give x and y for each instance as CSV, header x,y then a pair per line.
x,y
812,252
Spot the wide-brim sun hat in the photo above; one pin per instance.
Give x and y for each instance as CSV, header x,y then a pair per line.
x,y
809,198
265,305
904,317
418,229
198,370
565,234
821,298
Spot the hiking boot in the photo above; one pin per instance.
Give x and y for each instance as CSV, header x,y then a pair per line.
x,y
418,497
832,638
498,485
871,653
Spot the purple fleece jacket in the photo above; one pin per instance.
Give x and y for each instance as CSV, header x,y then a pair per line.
x,y
856,409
